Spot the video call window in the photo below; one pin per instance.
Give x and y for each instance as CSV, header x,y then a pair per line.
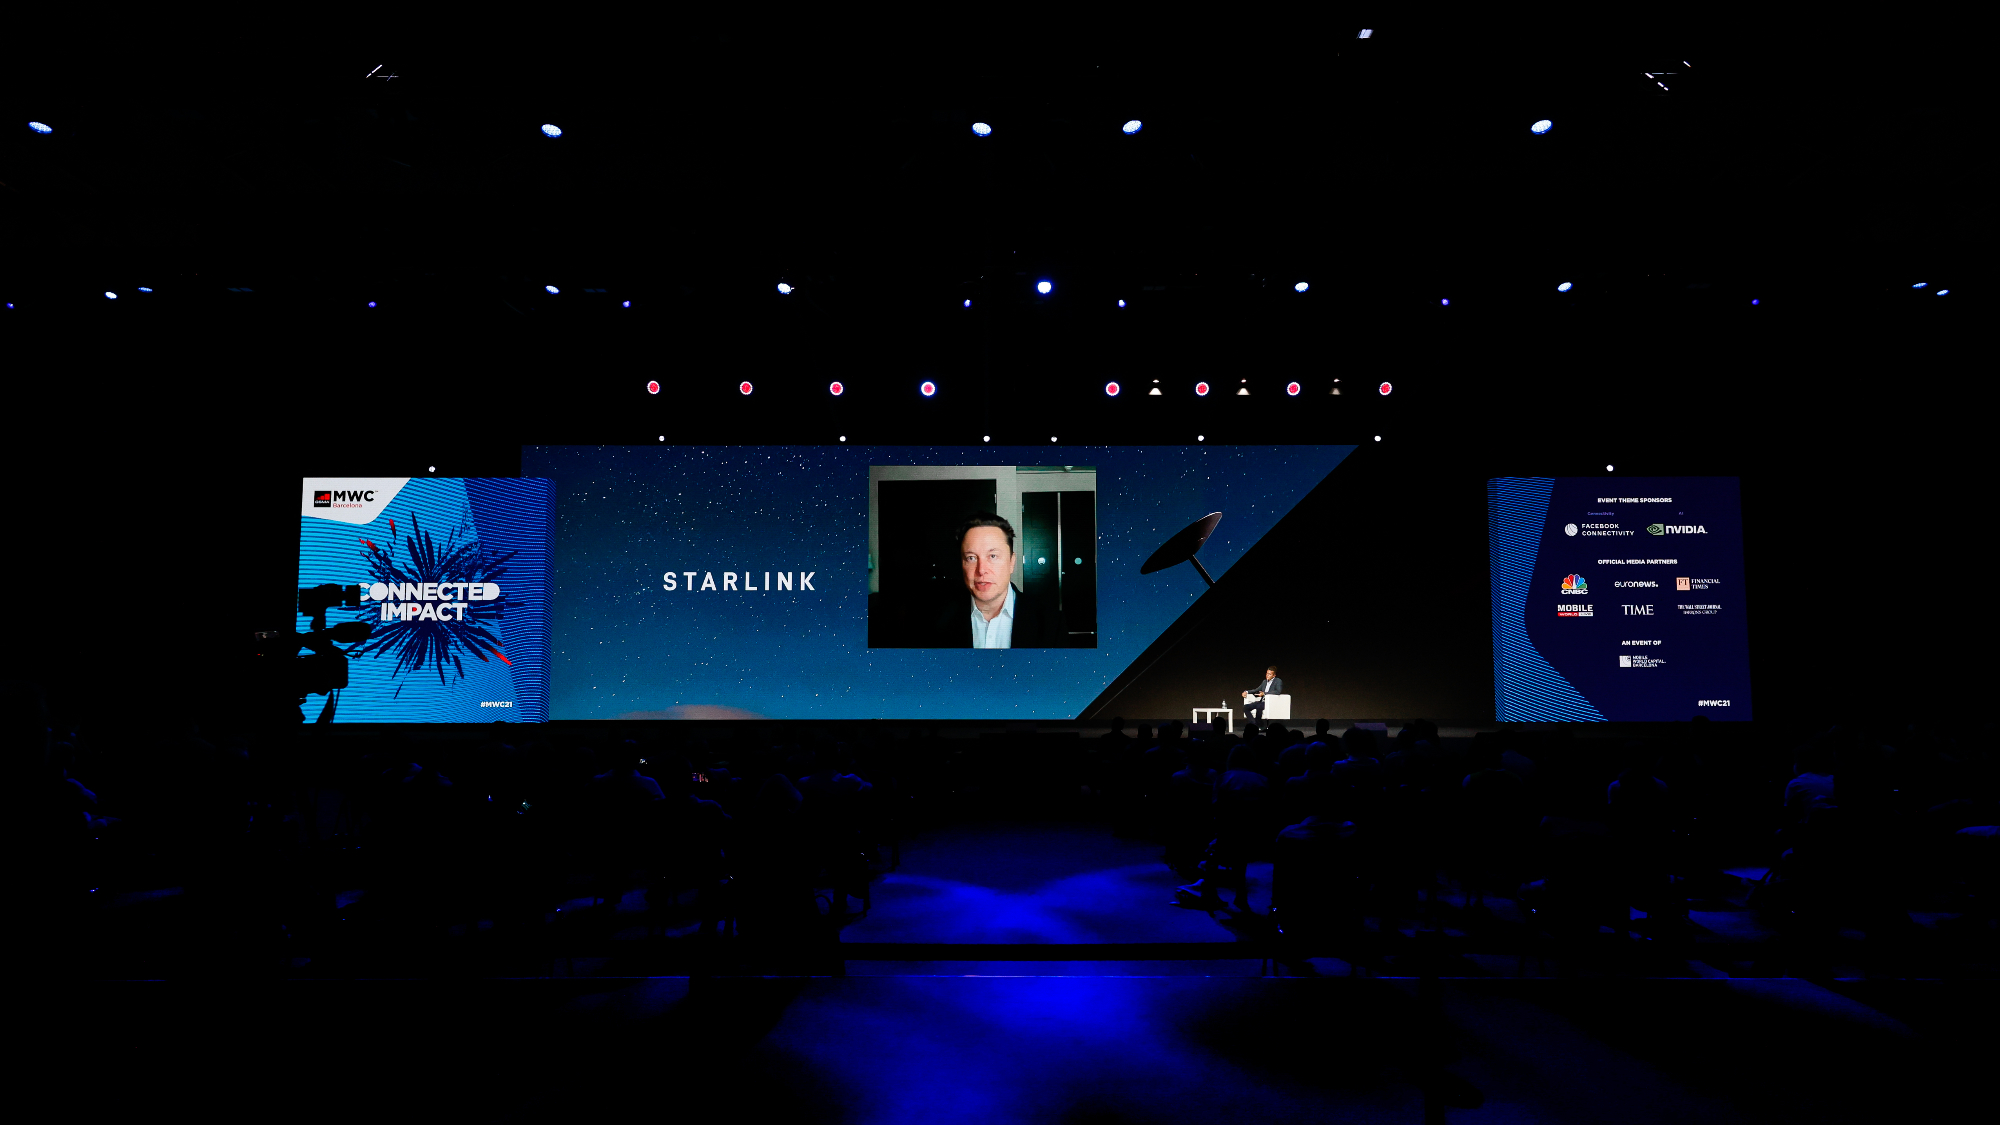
x,y
982,556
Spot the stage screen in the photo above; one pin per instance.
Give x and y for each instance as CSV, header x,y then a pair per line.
x,y
846,581
451,575
1618,599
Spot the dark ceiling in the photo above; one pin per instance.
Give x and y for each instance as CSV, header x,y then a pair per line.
x,y
845,151
267,187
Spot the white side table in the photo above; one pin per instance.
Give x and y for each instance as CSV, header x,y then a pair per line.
x,y
1207,715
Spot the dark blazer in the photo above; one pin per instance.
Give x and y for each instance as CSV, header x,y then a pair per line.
x,y
1037,624
1277,683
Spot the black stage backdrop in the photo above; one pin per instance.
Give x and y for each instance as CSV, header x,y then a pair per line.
x,y
157,532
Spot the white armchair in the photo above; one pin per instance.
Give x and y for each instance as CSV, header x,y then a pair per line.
x,y
1278,707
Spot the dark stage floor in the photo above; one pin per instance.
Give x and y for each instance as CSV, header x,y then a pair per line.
x,y
1036,972
1071,897
1008,1049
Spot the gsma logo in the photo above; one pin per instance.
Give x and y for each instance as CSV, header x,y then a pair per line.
x,y
322,498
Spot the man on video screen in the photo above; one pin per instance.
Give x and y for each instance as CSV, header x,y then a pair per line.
x,y
994,613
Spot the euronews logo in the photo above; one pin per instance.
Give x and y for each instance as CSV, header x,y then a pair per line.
x,y
1675,529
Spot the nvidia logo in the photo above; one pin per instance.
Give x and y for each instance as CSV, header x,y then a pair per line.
x,y
1656,529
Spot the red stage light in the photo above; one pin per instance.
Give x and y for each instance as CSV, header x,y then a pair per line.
x,y
1111,389
1292,389
1384,388
652,386
835,389
743,387
1201,388
929,388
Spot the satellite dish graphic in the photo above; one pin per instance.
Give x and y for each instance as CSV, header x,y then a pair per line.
x,y
1182,547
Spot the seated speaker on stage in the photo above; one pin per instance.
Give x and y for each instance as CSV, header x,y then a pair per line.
x,y
1253,699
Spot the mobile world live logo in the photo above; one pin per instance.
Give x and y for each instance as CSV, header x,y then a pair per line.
x,y
1675,529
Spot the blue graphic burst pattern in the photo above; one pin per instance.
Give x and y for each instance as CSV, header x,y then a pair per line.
x,y
416,641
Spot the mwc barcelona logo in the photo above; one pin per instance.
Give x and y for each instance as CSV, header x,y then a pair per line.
x,y
330,498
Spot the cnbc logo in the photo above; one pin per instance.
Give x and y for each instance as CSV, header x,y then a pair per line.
x,y
1574,584
1675,529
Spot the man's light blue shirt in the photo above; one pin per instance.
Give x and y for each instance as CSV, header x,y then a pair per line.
x,y
999,632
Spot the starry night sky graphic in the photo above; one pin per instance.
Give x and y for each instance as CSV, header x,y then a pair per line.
x,y
622,646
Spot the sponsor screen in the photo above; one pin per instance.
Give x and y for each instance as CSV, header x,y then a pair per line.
x,y
1618,599
848,581
451,576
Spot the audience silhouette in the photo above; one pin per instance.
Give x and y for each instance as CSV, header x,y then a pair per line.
x,y
380,853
